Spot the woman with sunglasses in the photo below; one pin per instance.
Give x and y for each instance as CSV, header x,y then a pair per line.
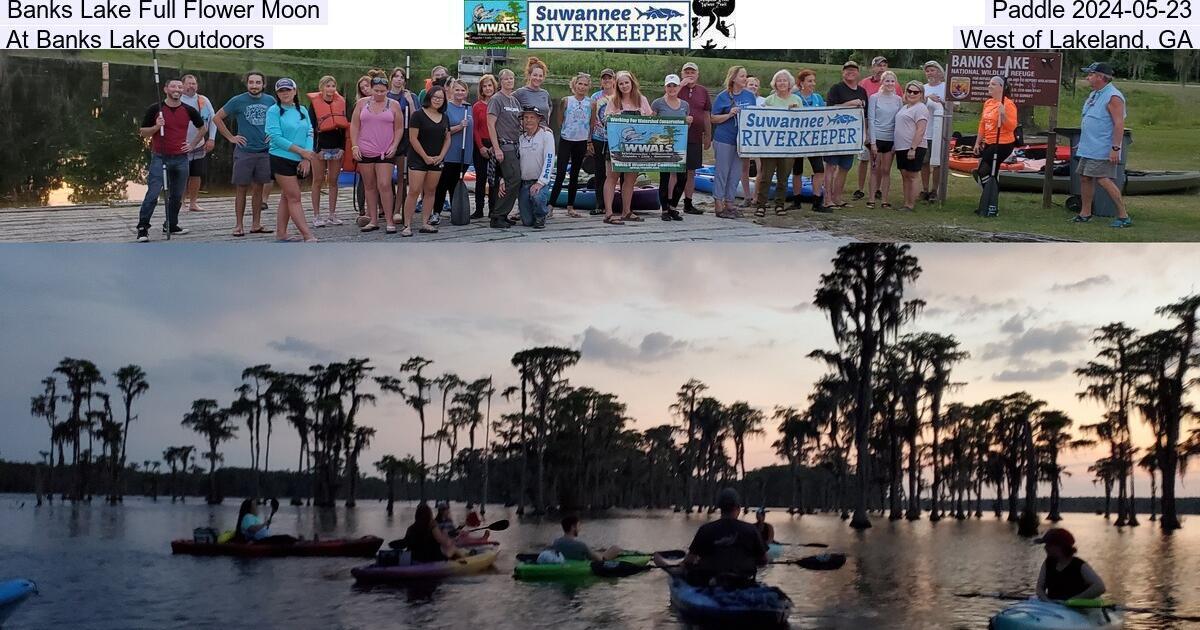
x,y
911,121
882,107
375,131
483,143
997,129
291,141
428,142
574,123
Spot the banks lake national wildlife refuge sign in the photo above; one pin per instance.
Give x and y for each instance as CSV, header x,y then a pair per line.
x,y
1033,77
494,23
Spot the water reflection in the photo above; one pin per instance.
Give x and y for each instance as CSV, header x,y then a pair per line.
x,y
108,567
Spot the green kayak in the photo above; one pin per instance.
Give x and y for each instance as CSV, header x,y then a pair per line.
x,y
571,568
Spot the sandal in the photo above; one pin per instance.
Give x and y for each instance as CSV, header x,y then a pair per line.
x,y
238,233
391,229
614,220
260,230
406,232
573,214
370,227
428,230
871,205
780,211
632,217
885,205
761,211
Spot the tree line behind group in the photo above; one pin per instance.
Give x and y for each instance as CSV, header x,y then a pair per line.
x,y
878,431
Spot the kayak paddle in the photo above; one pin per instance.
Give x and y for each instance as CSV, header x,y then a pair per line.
x,y
1088,603
821,562
498,526
816,545
274,509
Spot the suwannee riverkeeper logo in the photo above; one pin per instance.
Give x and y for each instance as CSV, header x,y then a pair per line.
x,y
609,24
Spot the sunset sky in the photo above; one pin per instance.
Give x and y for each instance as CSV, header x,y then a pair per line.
x,y
646,319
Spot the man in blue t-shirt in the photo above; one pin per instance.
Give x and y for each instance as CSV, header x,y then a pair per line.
x,y
251,161
1101,142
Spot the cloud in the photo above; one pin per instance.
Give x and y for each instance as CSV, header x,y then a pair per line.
x,y
1014,325
1083,285
1047,372
968,308
301,348
1049,340
602,346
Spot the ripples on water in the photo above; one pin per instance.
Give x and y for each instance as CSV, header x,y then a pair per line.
x,y
111,568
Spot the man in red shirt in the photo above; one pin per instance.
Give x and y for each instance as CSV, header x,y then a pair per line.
x,y
699,132
166,124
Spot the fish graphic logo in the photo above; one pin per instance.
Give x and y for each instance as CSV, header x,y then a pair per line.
x,y
658,14
841,119
484,15
631,136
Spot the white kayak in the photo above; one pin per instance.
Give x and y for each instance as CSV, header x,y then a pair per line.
x,y
1038,615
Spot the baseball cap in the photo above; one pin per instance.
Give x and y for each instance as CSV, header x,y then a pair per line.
x,y
607,72
672,79
692,66
285,84
878,60
850,64
1099,67
728,499
1058,537
933,64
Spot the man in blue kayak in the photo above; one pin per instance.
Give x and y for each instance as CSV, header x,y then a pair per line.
x,y
571,548
725,548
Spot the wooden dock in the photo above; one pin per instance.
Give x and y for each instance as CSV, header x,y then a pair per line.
x,y
117,223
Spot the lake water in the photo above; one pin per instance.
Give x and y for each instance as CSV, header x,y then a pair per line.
x,y
108,567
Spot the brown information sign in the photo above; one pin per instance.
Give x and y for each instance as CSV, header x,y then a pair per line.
x,y
1033,77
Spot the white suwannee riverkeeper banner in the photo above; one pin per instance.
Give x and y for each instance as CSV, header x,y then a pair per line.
x,y
766,132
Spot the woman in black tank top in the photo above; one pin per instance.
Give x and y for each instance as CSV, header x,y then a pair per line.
x,y
1063,575
424,541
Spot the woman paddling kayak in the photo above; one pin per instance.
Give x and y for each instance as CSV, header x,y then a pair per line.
x,y
251,528
425,541
1063,575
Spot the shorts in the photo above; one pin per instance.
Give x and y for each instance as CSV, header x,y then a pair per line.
x,y
330,154
913,165
251,168
695,155
885,146
1090,167
198,167
284,167
928,152
844,162
415,163
378,159
817,165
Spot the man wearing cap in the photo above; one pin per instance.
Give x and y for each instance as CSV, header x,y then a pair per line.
x,y
1101,142
251,162
847,93
699,130
537,168
608,87
198,159
935,99
765,529
726,546
166,124
1063,575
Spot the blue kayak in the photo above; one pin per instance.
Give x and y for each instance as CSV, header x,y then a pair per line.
x,y
704,183
12,593
753,607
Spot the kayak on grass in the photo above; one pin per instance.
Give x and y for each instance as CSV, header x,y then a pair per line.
x,y
1039,615
754,606
478,559
12,593
706,174
623,565
364,547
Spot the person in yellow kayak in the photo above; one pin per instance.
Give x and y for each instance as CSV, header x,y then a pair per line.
x,y
1065,576
572,548
725,548
472,519
425,541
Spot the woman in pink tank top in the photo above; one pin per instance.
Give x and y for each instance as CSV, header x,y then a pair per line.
x,y
374,136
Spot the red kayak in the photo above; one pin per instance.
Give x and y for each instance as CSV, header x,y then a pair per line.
x,y
364,547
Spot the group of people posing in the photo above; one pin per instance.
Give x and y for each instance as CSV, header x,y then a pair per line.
x,y
411,150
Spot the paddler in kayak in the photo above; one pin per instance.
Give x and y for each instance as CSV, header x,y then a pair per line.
x,y
473,519
572,548
1064,576
251,528
725,548
444,521
765,529
425,541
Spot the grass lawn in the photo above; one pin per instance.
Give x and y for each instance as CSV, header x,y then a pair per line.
x,y
1162,119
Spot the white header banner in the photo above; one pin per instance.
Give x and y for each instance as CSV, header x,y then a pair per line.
x,y
630,24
